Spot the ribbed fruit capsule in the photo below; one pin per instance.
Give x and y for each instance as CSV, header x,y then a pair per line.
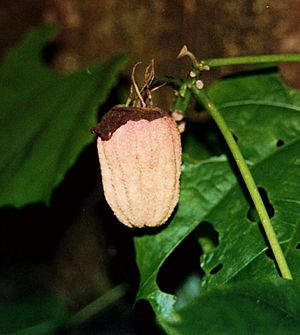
x,y
140,157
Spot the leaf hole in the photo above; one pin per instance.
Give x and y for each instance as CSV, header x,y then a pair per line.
x,y
234,136
49,51
269,254
279,143
208,237
181,263
298,246
216,269
252,214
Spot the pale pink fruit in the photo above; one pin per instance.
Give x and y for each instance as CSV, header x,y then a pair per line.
x,y
140,156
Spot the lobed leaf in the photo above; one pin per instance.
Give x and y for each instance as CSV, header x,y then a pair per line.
x,y
45,118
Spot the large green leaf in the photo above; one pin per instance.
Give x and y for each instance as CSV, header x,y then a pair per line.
x,y
207,181
45,118
261,111
265,307
265,117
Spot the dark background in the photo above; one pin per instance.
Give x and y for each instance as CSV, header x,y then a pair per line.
x,y
76,247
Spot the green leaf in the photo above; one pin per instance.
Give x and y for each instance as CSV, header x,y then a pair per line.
x,y
192,147
32,316
260,110
199,144
203,185
250,307
45,118
264,112
242,241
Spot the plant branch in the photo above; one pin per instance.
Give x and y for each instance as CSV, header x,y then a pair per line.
x,y
203,99
184,96
97,306
259,59
182,100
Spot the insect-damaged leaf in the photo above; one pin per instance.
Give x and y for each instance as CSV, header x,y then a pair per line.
x,y
265,117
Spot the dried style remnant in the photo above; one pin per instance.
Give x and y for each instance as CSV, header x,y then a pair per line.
x,y
140,156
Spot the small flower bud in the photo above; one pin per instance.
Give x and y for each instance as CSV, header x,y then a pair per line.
x,y
140,156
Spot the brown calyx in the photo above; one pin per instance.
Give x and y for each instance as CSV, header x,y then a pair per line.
x,y
120,115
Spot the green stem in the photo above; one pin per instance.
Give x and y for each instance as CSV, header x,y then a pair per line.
x,y
203,99
276,58
183,100
96,306
184,97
